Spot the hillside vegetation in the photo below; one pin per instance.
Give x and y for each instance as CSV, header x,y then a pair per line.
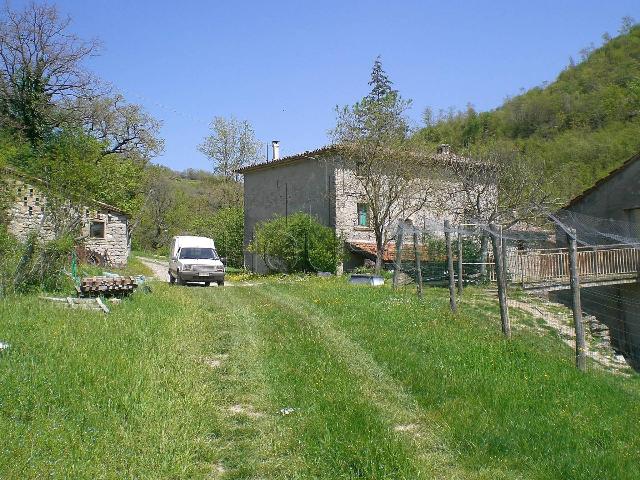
x,y
578,127
303,378
192,202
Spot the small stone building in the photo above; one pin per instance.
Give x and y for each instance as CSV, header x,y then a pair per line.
x,y
614,198
104,228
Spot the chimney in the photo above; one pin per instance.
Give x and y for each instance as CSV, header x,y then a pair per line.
x,y
276,149
444,148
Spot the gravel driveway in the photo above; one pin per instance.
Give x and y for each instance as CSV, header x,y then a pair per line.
x,y
159,268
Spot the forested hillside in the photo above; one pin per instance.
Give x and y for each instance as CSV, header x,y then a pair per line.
x,y
192,202
578,127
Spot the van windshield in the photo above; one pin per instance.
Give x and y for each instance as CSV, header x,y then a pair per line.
x,y
194,253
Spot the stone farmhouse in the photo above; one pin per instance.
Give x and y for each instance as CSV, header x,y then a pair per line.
x,y
616,197
320,184
104,228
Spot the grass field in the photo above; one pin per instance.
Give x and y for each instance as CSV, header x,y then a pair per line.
x,y
191,382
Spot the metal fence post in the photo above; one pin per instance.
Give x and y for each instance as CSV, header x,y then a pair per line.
x,y
398,266
460,286
416,251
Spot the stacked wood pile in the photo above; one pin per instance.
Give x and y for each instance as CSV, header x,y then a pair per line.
x,y
107,285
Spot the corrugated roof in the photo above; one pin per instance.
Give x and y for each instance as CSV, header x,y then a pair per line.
x,y
604,179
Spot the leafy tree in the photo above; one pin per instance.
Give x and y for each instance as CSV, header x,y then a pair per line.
x,y
230,145
372,136
192,202
40,64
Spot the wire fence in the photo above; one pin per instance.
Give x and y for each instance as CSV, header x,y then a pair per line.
x,y
575,277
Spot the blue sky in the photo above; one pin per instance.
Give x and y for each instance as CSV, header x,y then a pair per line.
x,y
285,65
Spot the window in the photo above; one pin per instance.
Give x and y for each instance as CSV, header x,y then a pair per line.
x,y
96,230
197,253
363,214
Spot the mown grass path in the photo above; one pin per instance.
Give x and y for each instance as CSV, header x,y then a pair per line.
x,y
302,378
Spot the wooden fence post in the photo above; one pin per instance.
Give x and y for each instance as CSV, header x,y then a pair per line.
x,y
398,266
581,357
452,283
460,286
484,247
501,281
416,250
505,258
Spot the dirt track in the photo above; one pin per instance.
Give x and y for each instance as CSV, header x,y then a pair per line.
x,y
158,267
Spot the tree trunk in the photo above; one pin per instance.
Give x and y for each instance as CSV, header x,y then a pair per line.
x,y
379,254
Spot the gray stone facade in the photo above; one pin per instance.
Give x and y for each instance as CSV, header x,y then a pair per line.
x,y
316,183
28,213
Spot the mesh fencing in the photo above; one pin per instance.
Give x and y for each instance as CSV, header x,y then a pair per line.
x,y
537,269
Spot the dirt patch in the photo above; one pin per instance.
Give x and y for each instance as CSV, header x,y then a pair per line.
x,y
215,361
246,410
562,323
160,269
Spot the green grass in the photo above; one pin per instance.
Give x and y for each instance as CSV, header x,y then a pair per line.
x,y
189,382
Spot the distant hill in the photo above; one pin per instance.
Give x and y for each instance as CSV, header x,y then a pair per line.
x,y
578,127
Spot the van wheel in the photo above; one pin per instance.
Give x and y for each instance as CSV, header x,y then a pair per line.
x,y
220,283
172,279
206,284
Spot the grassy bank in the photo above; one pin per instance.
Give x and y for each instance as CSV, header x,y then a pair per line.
x,y
301,378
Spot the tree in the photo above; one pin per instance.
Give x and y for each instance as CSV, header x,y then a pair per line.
x,y
497,184
124,128
372,137
40,64
230,145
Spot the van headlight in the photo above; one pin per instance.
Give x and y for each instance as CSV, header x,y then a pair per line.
x,y
187,267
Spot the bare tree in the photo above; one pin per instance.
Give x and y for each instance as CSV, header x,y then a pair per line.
x,y
40,64
496,184
125,128
231,145
372,138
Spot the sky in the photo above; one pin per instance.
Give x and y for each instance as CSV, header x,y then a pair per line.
x,y
285,65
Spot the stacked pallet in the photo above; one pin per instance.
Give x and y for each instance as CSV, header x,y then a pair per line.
x,y
82,303
107,285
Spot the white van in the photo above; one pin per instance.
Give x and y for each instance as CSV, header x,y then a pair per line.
x,y
194,259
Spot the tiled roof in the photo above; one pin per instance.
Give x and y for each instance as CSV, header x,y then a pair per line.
x,y
368,250
288,159
441,158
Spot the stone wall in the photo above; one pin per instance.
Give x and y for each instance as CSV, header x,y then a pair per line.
x,y
28,214
348,194
302,186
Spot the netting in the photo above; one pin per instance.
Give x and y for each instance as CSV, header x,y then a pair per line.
x,y
537,261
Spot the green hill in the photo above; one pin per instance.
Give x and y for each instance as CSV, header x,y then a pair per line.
x,y
583,124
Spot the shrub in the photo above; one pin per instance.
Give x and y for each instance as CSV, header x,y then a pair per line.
x,y
32,265
297,243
